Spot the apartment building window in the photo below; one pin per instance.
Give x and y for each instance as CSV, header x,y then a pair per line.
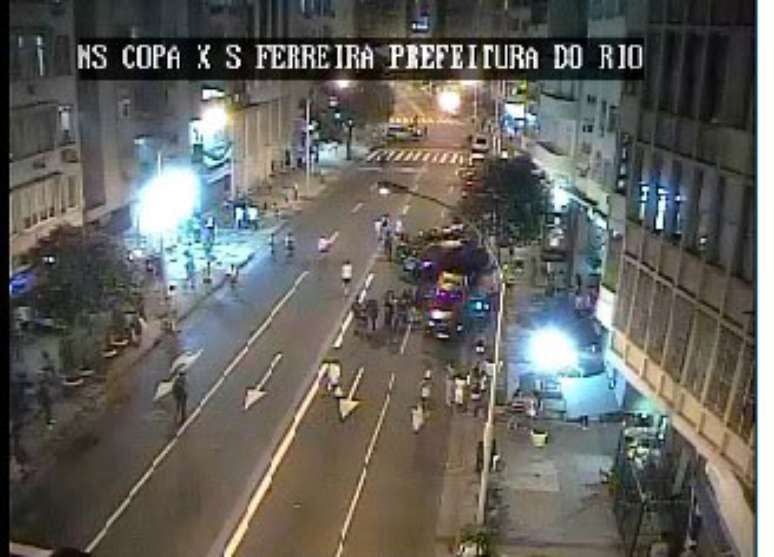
x,y
698,10
676,11
641,312
613,8
679,334
659,319
742,416
676,208
602,118
669,72
612,119
65,124
656,14
635,194
52,195
715,78
690,74
124,108
706,225
625,295
661,208
731,211
722,376
652,49
699,360
62,55
595,9
32,132
263,17
41,55
62,198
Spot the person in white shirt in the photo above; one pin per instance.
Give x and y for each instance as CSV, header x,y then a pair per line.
x,y
322,244
398,227
346,276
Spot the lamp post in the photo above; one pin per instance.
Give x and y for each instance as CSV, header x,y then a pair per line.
x,y
488,434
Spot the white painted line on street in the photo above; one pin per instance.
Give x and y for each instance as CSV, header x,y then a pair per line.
x,y
405,339
357,207
367,285
417,156
388,155
443,157
443,213
197,411
371,156
363,473
333,237
405,209
427,156
344,327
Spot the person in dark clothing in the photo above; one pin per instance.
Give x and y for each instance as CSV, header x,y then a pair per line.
x,y
372,309
44,399
180,392
388,245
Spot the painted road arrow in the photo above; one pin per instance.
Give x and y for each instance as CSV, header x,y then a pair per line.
x,y
348,404
254,394
181,363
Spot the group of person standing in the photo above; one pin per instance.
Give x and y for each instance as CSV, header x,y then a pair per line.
x,y
386,233
467,390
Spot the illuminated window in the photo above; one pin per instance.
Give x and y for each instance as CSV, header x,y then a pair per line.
x,y
644,190
661,209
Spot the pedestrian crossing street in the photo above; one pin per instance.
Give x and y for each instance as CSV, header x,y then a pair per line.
x,y
417,155
424,121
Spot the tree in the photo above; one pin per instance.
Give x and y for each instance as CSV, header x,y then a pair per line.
x,y
81,273
519,199
371,103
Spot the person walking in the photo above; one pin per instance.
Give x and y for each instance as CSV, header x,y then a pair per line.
x,y
372,308
180,392
417,417
388,245
44,399
424,390
378,229
449,391
459,393
334,378
475,398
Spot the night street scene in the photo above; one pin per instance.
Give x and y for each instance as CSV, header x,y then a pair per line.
x,y
384,317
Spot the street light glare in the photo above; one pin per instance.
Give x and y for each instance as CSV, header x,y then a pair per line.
x,y
214,119
552,350
449,101
343,83
384,190
167,200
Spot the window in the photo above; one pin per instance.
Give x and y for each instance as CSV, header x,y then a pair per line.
x,y
41,54
641,313
669,72
690,75
677,216
661,208
742,415
52,195
612,119
62,55
656,11
124,106
72,192
65,124
722,377
602,118
652,48
715,78
699,361
659,319
40,201
62,198
697,11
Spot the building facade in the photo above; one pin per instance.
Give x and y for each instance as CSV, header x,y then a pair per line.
x,y
45,144
684,318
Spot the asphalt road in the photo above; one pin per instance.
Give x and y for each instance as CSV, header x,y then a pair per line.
x,y
321,502
134,485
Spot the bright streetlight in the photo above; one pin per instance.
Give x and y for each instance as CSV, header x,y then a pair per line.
x,y
449,101
551,350
168,199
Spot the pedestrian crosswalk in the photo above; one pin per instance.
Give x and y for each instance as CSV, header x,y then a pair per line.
x,y
424,121
428,156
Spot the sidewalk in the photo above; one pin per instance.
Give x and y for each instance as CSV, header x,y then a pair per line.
x,y
72,405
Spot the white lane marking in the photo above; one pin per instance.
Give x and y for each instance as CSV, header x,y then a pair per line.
x,y
388,155
333,237
405,339
357,207
401,156
263,486
195,414
369,280
363,473
256,393
344,327
443,157
405,209
443,213
417,155
371,156
427,156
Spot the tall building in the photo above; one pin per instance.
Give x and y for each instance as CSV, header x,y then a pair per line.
x,y
45,144
128,126
382,18
684,319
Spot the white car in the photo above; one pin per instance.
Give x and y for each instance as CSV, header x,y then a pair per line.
x,y
398,132
480,144
476,158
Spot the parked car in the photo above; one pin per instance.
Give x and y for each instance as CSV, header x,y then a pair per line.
x,y
398,132
480,144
